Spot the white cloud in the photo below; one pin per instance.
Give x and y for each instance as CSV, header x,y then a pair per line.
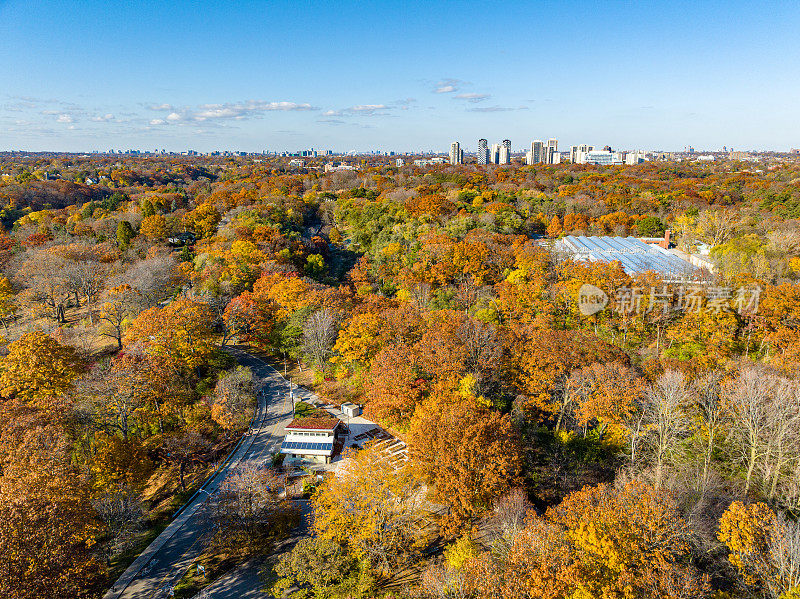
x,y
103,118
448,86
64,118
158,122
368,108
473,97
229,110
496,109
361,110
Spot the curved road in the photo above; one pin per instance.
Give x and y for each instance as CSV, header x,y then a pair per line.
x,y
166,559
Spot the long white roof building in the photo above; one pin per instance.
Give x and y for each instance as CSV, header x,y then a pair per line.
x,y
636,256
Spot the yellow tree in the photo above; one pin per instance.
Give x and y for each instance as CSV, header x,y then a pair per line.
x,y
763,548
154,227
600,542
606,395
117,311
360,339
48,527
8,305
370,508
37,366
180,332
542,360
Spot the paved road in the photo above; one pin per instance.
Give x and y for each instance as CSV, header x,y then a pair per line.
x,y
168,557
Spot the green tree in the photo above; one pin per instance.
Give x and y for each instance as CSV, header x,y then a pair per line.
x,y
320,568
125,233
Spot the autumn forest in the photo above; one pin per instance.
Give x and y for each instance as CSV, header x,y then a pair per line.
x,y
649,452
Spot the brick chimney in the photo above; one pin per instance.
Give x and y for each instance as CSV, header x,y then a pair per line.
x,y
665,243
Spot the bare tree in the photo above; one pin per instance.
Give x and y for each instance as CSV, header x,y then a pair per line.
x,y
154,278
43,274
665,419
444,582
710,407
121,304
86,277
508,519
319,335
783,428
748,396
784,551
249,510
184,449
121,511
234,398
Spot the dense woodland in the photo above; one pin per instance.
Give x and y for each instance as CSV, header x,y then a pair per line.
x,y
640,453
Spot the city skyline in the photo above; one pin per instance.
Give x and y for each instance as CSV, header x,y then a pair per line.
x,y
91,76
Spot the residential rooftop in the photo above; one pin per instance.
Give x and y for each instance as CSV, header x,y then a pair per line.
x,y
314,424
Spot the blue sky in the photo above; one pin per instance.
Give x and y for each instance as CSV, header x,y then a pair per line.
x,y
84,75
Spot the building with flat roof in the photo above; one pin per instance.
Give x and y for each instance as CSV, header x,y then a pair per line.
x,y
456,153
312,439
483,151
635,256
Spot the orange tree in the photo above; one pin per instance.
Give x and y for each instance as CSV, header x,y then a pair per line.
x,y
179,333
469,454
622,543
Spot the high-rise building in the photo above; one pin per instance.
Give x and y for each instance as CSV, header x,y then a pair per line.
x,y
494,156
580,152
537,151
483,151
456,153
504,156
505,152
552,148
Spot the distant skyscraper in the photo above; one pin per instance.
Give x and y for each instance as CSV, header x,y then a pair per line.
x,y
504,156
495,154
552,149
483,151
456,154
581,152
537,151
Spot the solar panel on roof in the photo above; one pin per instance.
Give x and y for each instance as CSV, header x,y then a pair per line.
x,y
306,445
